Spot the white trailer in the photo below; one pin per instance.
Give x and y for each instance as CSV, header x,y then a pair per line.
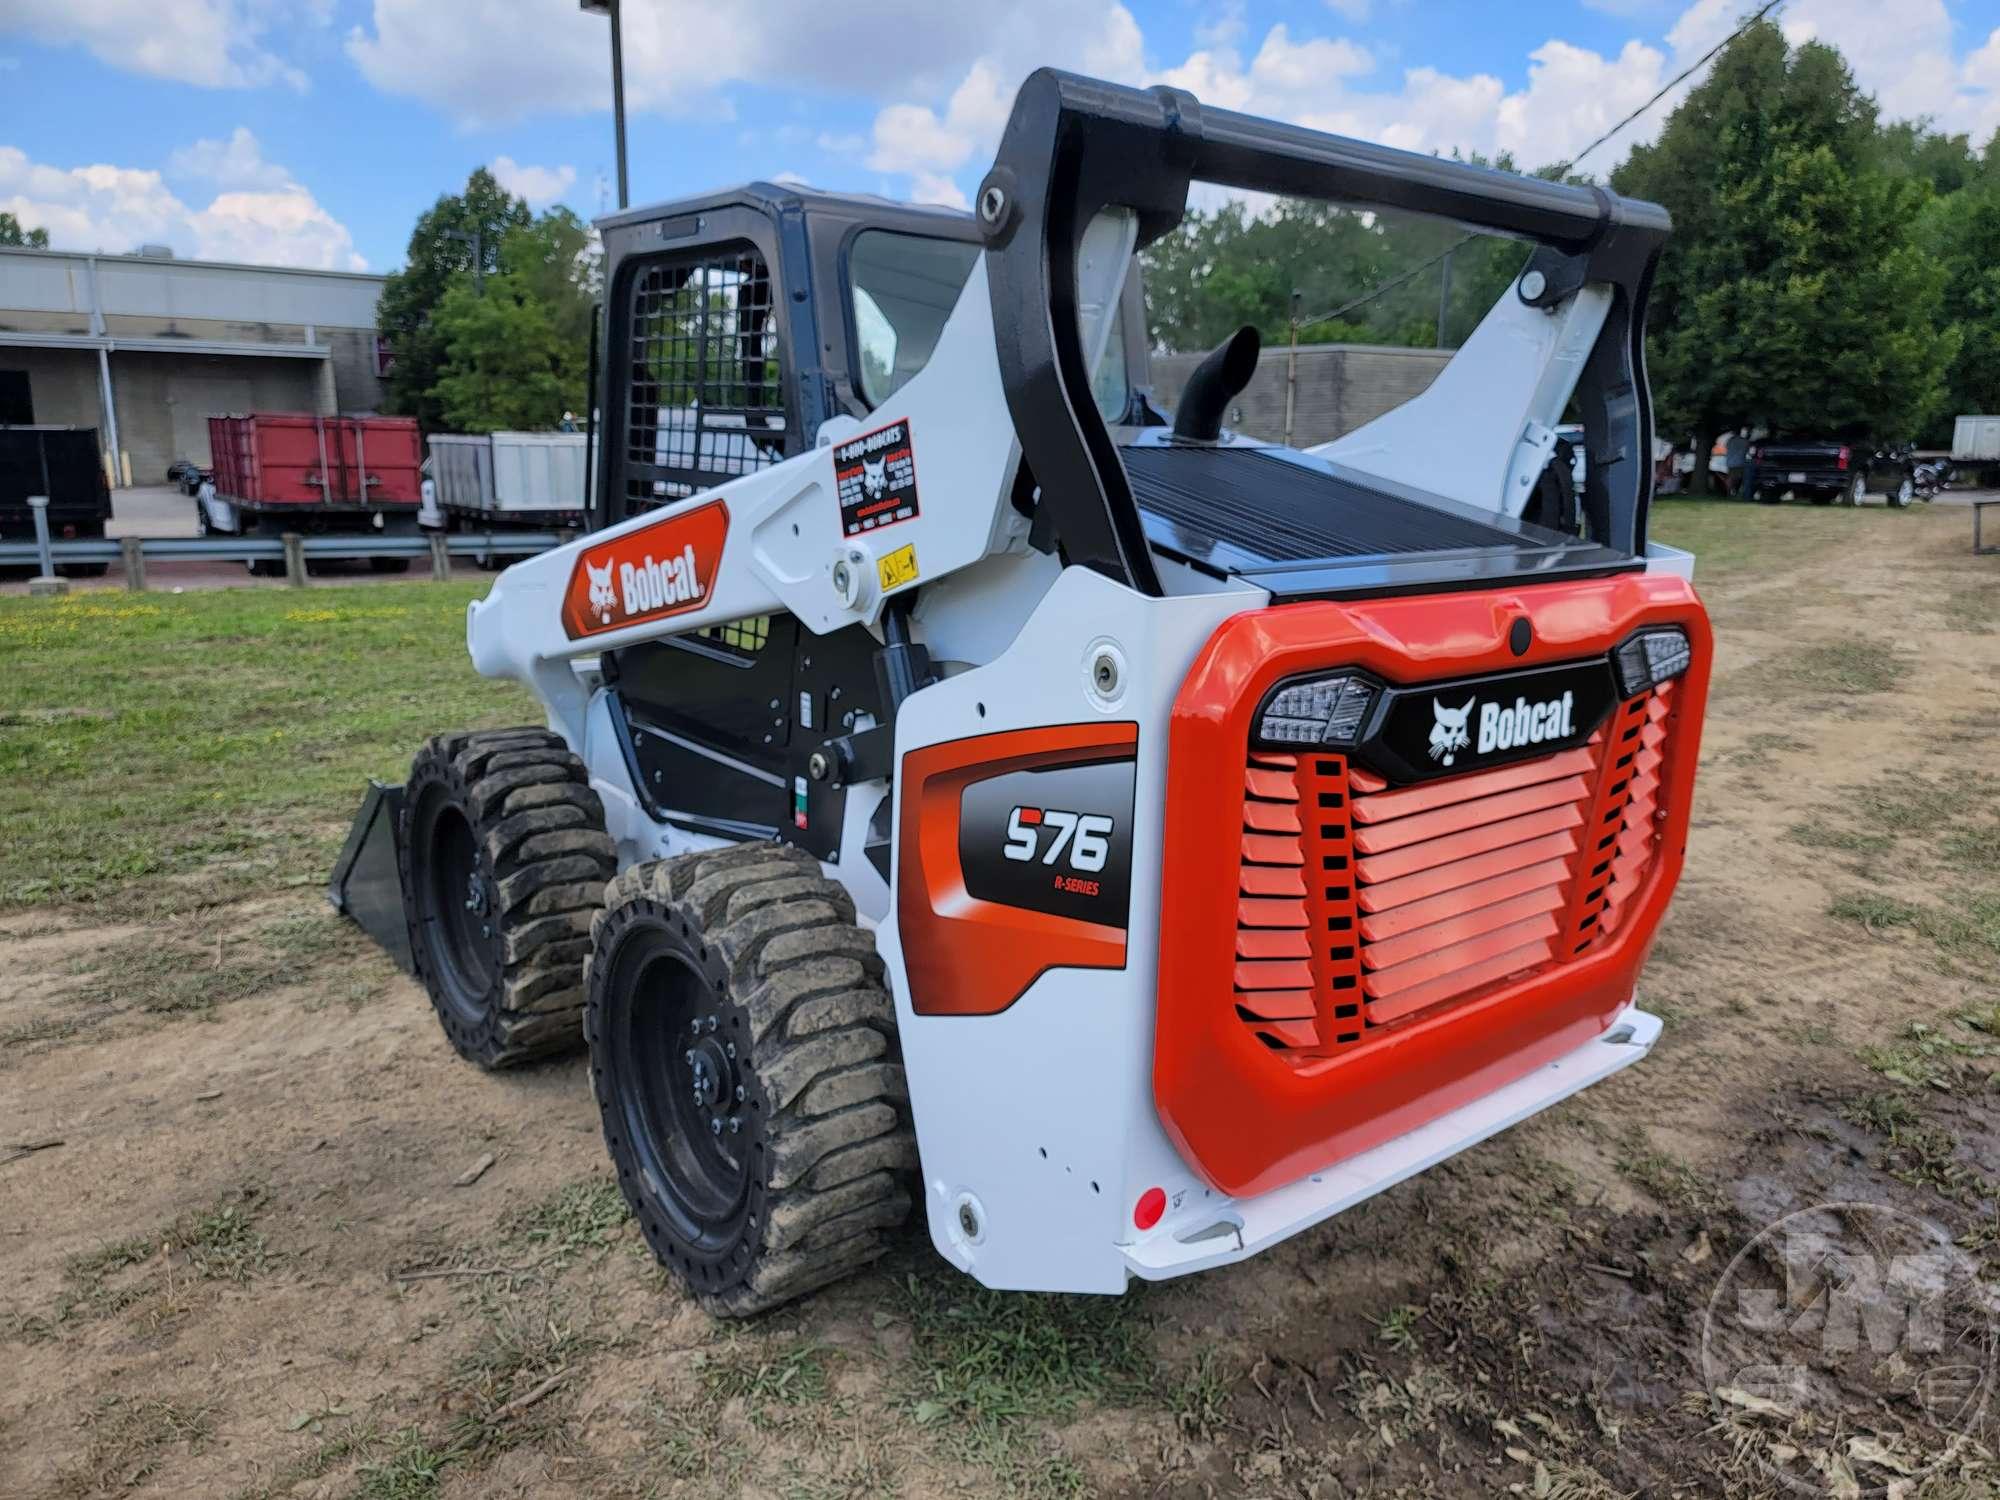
x,y
513,478
1976,440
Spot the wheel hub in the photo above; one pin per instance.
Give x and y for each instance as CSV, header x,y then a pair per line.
x,y
711,1077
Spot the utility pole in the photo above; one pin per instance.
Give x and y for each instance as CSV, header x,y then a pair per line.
x,y
1444,296
477,239
1292,370
610,8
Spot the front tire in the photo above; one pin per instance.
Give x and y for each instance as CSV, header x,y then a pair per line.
x,y
744,1058
1904,493
504,863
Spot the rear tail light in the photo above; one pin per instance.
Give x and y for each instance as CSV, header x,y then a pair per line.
x,y
1318,711
1843,458
1650,658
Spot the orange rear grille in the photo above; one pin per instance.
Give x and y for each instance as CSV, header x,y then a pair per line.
x,y
1360,903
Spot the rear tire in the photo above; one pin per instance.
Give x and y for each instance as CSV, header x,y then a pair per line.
x,y
504,863
1904,493
743,1053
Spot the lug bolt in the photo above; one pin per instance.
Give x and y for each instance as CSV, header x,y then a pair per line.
x,y
714,1126
730,1049
740,1094
735,1124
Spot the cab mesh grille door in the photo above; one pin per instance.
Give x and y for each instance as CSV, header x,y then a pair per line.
x,y
706,395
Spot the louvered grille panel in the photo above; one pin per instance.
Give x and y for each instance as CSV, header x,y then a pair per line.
x,y
1360,904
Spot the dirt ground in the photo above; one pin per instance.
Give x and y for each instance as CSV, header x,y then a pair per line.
x,y
276,1239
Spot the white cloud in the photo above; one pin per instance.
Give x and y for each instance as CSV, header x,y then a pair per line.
x,y
1354,10
117,209
539,185
933,187
235,163
211,43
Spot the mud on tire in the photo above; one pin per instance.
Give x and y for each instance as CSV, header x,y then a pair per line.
x,y
505,860
744,1057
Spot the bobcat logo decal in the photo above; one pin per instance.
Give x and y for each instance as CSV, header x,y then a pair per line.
x,y
1448,735
874,476
602,595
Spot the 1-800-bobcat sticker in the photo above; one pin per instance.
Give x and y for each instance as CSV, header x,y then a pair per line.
x,y
666,568
875,476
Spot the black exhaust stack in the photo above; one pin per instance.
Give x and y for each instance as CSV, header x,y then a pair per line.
x,y
1216,382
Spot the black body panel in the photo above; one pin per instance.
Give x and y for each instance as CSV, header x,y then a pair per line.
x,y
1306,528
730,732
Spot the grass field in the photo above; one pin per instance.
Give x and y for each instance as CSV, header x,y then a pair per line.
x,y
187,749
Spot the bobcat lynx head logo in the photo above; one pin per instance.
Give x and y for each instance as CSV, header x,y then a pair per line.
x,y
602,595
1448,735
875,476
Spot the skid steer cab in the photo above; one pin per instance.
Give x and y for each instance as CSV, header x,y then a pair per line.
x,y
965,789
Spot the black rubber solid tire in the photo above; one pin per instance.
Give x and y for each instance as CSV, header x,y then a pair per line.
x,y
797,987
542,857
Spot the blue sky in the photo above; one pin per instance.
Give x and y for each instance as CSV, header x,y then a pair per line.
x,y
312,132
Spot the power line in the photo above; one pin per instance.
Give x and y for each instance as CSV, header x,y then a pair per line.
x,y
1560,168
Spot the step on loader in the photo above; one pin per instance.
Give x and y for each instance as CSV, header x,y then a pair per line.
x,y
964,788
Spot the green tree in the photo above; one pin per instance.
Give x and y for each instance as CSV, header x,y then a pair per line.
x,y
514,344
11,233
1958,233
1230,266
505,363
1793,291
460,234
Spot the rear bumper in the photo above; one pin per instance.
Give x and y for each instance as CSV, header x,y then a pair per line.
x,y
1210,1229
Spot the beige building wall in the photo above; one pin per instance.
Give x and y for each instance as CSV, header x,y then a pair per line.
x,y
164,396
1340,386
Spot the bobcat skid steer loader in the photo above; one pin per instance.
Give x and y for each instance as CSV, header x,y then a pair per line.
x,y
1131,842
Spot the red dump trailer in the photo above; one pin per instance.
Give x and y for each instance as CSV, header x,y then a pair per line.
x,y
290,471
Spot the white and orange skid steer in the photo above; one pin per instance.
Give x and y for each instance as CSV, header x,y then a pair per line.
x,y
964,785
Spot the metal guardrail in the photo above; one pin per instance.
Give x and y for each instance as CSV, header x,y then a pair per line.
x,y
293,549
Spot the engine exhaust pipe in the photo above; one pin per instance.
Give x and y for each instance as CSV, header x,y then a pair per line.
x,y
1217,381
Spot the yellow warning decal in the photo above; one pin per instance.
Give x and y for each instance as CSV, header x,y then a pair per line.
x,y
897,568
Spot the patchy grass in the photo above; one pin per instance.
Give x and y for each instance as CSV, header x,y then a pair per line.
x,y
218,1243
168,973
127,1442
1667,1179
145,739
1942,1056
1731,537
579,1216
1832,669
762,1372
1966,928
1818,834
983,1357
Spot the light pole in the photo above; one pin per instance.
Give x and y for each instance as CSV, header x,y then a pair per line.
x,y
610,8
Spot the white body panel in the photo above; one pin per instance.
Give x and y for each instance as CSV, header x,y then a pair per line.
x,y
1499,400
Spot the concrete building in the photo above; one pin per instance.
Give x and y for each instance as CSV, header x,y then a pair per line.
x,y
1340,386
145,348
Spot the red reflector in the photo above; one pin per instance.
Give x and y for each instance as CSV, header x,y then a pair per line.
x,y
1152,1204
1843,458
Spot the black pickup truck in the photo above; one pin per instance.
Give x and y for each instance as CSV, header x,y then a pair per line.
x,y
1824,470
